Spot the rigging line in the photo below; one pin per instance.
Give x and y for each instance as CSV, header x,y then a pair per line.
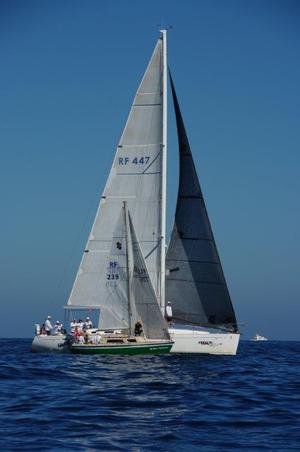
x,y
155,158
198,282
153,249
194,261
94,200
74,247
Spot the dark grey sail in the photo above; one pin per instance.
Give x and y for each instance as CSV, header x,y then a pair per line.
x,y
195,282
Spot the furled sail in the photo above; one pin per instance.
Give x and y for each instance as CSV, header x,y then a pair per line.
x,y
136,177
195,281
146,305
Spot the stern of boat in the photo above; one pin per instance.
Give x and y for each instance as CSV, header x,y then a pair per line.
x,y
209,342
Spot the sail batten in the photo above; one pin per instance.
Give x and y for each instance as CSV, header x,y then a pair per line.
x,y
195,282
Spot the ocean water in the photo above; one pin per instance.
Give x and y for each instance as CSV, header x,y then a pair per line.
x,y
161,403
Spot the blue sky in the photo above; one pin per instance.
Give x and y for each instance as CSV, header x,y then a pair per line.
x,y
68,74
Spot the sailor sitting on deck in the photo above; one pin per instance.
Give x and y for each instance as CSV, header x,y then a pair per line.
x,y
81,340
47,325
76,334
94,339
138,328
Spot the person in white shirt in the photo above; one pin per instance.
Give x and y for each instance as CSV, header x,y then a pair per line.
x,y
88,324
169,312
81,340
57,328
47,325
80,325
73,325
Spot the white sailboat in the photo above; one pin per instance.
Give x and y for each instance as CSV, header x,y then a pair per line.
x,y
194,282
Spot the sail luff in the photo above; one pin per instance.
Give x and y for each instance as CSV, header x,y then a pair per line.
x,y
164,175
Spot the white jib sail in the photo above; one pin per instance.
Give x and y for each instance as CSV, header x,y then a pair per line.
x,y
135,177
144,301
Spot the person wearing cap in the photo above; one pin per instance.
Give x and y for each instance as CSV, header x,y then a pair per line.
x,y
88,324
47,325
169,312
57,328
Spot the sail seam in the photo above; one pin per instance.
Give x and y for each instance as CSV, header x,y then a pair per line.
x,y
146,105
137,174
139,145
196,281
190,197
196,238
193,261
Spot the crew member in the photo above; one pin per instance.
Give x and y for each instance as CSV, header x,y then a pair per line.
x,y
73,325
57,328
88,324
138,328
169,312
80,325
47,325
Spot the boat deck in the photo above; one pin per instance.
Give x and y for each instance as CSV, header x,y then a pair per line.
x,y
121,344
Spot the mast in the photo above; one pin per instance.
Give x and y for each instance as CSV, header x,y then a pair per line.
x,y
129,267
164,175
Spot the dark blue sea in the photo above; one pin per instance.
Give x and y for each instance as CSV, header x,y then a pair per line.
x,y
176,403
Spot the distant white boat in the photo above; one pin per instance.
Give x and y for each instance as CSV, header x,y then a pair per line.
x,y
258,337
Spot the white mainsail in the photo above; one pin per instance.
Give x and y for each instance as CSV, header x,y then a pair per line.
x,y
137,176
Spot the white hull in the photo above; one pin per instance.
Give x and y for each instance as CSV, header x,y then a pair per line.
x,y
188,339
258,338
50,344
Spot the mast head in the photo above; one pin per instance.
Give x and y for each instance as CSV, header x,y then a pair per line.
x,y
163,30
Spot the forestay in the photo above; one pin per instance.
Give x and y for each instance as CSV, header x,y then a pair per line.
x,y
135,177
195,281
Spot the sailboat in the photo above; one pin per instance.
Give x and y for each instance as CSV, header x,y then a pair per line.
x,y
257,338
190,277
135,301
195,282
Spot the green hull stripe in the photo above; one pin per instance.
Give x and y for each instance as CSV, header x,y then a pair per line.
x,y
126,350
